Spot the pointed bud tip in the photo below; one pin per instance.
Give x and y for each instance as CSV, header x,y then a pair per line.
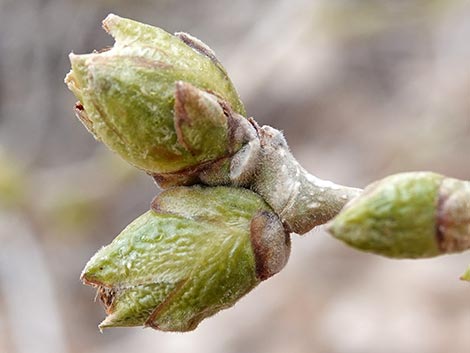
x,y
181,89
75,77
200,122
94,273
85,278
110,21
77,59
199,46
106,323
88,280
179,84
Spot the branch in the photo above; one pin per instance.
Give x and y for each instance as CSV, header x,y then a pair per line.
x,y
166,105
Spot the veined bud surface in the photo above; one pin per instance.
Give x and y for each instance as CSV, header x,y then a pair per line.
x,y
142,96
198,251
408,215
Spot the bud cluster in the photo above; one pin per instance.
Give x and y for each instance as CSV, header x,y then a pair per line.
x,y
234,192
165,104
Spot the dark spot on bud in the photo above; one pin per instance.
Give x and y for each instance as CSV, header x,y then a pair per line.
x,y
81,114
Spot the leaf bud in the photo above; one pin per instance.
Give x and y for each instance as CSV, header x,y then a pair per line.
x,y
198,251
408,215
162,102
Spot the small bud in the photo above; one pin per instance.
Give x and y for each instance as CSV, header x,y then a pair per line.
x,y
130,95
198,251
466,275
409,215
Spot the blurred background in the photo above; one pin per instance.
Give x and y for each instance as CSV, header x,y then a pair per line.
x,y
361,89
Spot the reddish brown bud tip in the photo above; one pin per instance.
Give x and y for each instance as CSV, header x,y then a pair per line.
x,y
271,244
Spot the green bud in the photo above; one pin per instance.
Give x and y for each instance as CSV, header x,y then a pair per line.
x,y
134,98
466,275
198,251
409,215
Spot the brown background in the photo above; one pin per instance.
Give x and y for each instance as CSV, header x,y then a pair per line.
x,y
361,89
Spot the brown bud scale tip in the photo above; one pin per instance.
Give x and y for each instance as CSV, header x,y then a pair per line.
x,y
199,46
453,216
271,244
